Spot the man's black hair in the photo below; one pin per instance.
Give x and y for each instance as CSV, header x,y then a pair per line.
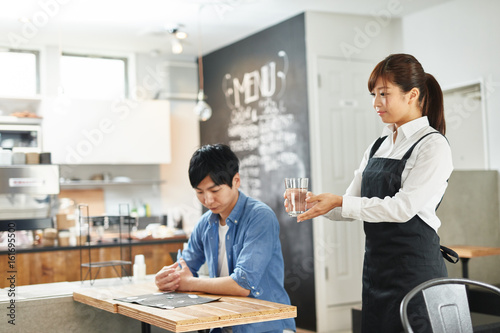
x,y
217,161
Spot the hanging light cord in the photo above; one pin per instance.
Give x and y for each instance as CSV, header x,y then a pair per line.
x,y
200,62
201,109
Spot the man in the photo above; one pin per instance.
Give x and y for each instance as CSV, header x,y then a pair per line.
x,y
238,237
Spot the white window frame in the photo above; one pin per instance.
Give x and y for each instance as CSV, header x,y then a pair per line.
x,y
128,59
37,66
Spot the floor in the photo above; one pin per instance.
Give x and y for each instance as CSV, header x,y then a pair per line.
x,y
300,330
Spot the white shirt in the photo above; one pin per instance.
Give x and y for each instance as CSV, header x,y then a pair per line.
x,y
423,182
222,267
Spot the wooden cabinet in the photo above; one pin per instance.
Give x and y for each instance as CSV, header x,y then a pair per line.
x,y
64,265
106,131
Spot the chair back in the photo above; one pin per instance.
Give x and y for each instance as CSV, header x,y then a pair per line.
x,y
448,308
447,304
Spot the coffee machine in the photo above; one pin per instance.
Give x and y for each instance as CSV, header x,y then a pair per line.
x,y
28,196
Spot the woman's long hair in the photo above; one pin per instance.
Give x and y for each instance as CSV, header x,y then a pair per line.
x,y
406,72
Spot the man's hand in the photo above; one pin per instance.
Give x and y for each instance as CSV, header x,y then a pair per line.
x,y
174,277
168,277
186,278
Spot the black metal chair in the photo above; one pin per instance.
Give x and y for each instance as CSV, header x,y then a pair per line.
x,y
447,304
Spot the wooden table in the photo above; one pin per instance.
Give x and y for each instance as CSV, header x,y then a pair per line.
x,y
228,311
466,252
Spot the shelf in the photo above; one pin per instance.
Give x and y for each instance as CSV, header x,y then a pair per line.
x,y
100,183
20,120
26,224
10,104
107,263
19,98
100,264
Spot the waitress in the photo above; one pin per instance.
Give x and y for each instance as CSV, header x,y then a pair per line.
x,y
396,190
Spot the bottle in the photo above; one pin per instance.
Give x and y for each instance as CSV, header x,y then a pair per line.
x,y
141,209
139,267
133,211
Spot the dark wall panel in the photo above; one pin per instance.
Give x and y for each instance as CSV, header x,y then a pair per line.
x,y
257,88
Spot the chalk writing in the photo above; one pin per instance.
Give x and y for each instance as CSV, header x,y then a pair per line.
x,y
261,129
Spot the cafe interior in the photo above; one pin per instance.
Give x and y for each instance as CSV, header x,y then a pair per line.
x,y
102,104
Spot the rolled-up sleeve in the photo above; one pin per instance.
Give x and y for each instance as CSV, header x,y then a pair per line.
x,y
194,254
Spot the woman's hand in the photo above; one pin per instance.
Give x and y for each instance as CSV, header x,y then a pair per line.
x,y
319,205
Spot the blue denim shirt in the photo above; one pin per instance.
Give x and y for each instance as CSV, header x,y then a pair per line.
x,y
254,256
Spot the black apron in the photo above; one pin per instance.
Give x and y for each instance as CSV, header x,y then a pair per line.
x,y
398,256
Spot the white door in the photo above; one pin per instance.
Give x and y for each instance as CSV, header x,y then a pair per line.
x,y
465,127
348,124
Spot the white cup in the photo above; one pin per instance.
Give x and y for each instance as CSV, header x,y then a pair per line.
x,y
5,157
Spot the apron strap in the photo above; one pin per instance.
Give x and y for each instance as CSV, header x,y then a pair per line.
x,y
449,254
376,145
408,153
379,141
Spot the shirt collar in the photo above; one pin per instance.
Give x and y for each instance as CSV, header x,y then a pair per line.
x,y
235,214
409,128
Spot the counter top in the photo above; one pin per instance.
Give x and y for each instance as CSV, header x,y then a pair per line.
x,y
104,243
38,265
49,307
66,289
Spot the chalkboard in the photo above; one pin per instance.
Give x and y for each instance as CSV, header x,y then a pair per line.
x,y
257,88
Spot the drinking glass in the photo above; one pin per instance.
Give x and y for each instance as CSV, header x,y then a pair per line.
x,y
296,190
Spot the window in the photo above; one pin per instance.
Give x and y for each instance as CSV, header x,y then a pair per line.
x,y
19,73
94,77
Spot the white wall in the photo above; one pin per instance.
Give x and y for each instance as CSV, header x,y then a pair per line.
x,y
347,38
353,36
177,195
457,42
158,75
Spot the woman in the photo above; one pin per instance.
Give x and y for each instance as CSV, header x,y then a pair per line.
x,y
396,191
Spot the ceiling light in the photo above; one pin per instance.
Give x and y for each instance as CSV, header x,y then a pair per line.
x,y
177,33
180,34
176,46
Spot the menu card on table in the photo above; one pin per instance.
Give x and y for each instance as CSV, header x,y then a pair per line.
x,y
167,300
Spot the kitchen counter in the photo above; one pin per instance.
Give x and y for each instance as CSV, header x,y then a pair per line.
x,y
50,308
104,243
38,264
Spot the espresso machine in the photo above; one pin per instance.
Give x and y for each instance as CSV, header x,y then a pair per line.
x,y
28,196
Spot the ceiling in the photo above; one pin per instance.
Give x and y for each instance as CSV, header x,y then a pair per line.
x,y
143,25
